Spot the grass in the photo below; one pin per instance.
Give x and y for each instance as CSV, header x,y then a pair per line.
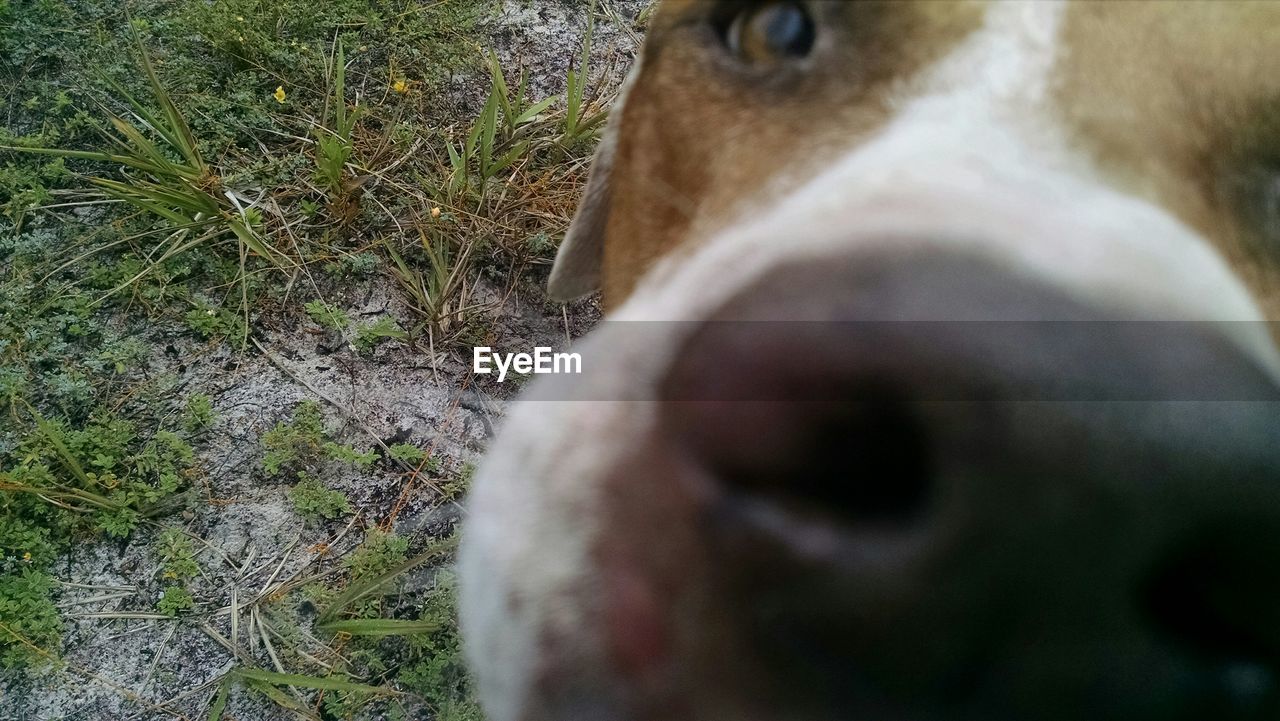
x,y
154,187
334,144
169,180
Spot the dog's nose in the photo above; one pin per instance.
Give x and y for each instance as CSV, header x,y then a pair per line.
x,y
963,494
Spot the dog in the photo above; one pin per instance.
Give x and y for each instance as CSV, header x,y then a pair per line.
x,y
1001,439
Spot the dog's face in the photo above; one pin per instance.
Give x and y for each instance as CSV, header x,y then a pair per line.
x,y
945,547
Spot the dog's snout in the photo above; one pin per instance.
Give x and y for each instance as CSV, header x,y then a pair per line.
x,y
864,461
920,481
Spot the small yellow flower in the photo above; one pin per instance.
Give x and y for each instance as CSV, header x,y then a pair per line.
x,y
435,212
27,556
400,86
279,95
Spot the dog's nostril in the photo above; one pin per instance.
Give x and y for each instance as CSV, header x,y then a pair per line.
x,y
860,462
1219,596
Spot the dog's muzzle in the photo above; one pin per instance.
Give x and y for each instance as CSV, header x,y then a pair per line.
x,y
949,493
1029,509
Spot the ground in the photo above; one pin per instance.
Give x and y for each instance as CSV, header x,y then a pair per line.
x,y
235,443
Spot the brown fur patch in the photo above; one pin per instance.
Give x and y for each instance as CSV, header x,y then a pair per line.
x,y
1179,102
702,136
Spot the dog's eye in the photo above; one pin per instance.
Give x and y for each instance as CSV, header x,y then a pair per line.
x,y
771,31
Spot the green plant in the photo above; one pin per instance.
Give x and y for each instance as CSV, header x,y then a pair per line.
x,y
485,148
379,562
177,555
456,485
198,414
327,316
103,470
369,336
117,522
441,293
436,669
579,123
28,617
517,110
334,145
161,227
379,553
186,192
211,322
313,501
353,265
296,443
339,452
175,600
267,683
467,473
412,455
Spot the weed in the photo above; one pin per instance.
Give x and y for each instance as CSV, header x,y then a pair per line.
x,y
27,617
441,293
117,522
198,414
371,335
175,600
456,485
168,229
214,322
318,594
348,454
540,244
436,669
313,501
103,470
379,553
334,144
352,265
186,193
327,316
72,465
579,123
294,444
517,110
177,555
410,454
491,145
